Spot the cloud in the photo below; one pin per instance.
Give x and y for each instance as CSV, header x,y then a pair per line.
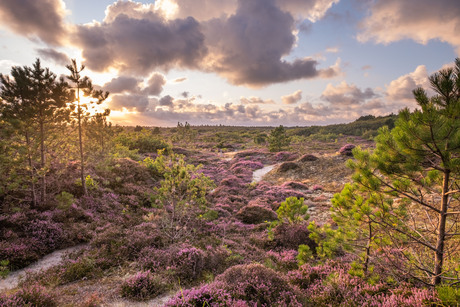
x,y
346,94
166,101
401,88
255,100
54,55
419,20
138,40
292,98
122,84
312,10
155,84
248,47
130,102
35,19
179,80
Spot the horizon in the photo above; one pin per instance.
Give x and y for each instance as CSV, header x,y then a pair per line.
x,y
257,63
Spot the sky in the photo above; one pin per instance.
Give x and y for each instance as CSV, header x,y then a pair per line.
x,y
239,62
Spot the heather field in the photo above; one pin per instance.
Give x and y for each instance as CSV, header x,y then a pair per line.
x,y
196,216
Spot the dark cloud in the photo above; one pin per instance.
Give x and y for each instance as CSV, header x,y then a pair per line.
x,y
130,102
141,43
56,56
42,19
155,84
185,94
166,101
122,84
247,48
345,94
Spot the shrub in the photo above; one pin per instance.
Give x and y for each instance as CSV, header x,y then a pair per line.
x,y
308,158
290,236
285,156
33,296
255,214
347,150
287,166
180,260
259,285
142,286
207,295
74,270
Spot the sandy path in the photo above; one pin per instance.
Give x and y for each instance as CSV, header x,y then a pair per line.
x,y
56,257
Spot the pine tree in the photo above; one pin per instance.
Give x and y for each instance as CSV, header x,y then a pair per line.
x,y
82,86
278,139
410,183
34,100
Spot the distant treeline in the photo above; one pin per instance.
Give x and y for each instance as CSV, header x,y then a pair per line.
x,y
368,124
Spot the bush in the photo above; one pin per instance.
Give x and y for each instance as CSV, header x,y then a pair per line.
x,y
255,214
74,270
308,158
259,285
142,286
183,261
33,296
347,150
287,166
290,236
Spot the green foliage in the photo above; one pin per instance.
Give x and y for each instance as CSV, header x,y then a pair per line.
x,y
406,183
291,211
260,139
365,126
304,255
278,139
144,141
65,200
449,295
4,270
181,196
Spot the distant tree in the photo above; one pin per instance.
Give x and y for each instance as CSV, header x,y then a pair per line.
x,y
82,86
278,139
138,128
260,139
99,130
410,185
181,195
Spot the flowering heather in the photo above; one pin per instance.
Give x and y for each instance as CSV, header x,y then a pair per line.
x,y
346,150
284,260
330,284
248,164
33,296
207,295
254,214
182,260
142,286
285,156
317,187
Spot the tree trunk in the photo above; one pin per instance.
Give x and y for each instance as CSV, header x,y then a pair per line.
x,y
368,249
439,255
42,159
32,176
82,163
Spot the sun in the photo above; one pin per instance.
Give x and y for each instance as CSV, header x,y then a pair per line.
x,y
167,7
90,105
